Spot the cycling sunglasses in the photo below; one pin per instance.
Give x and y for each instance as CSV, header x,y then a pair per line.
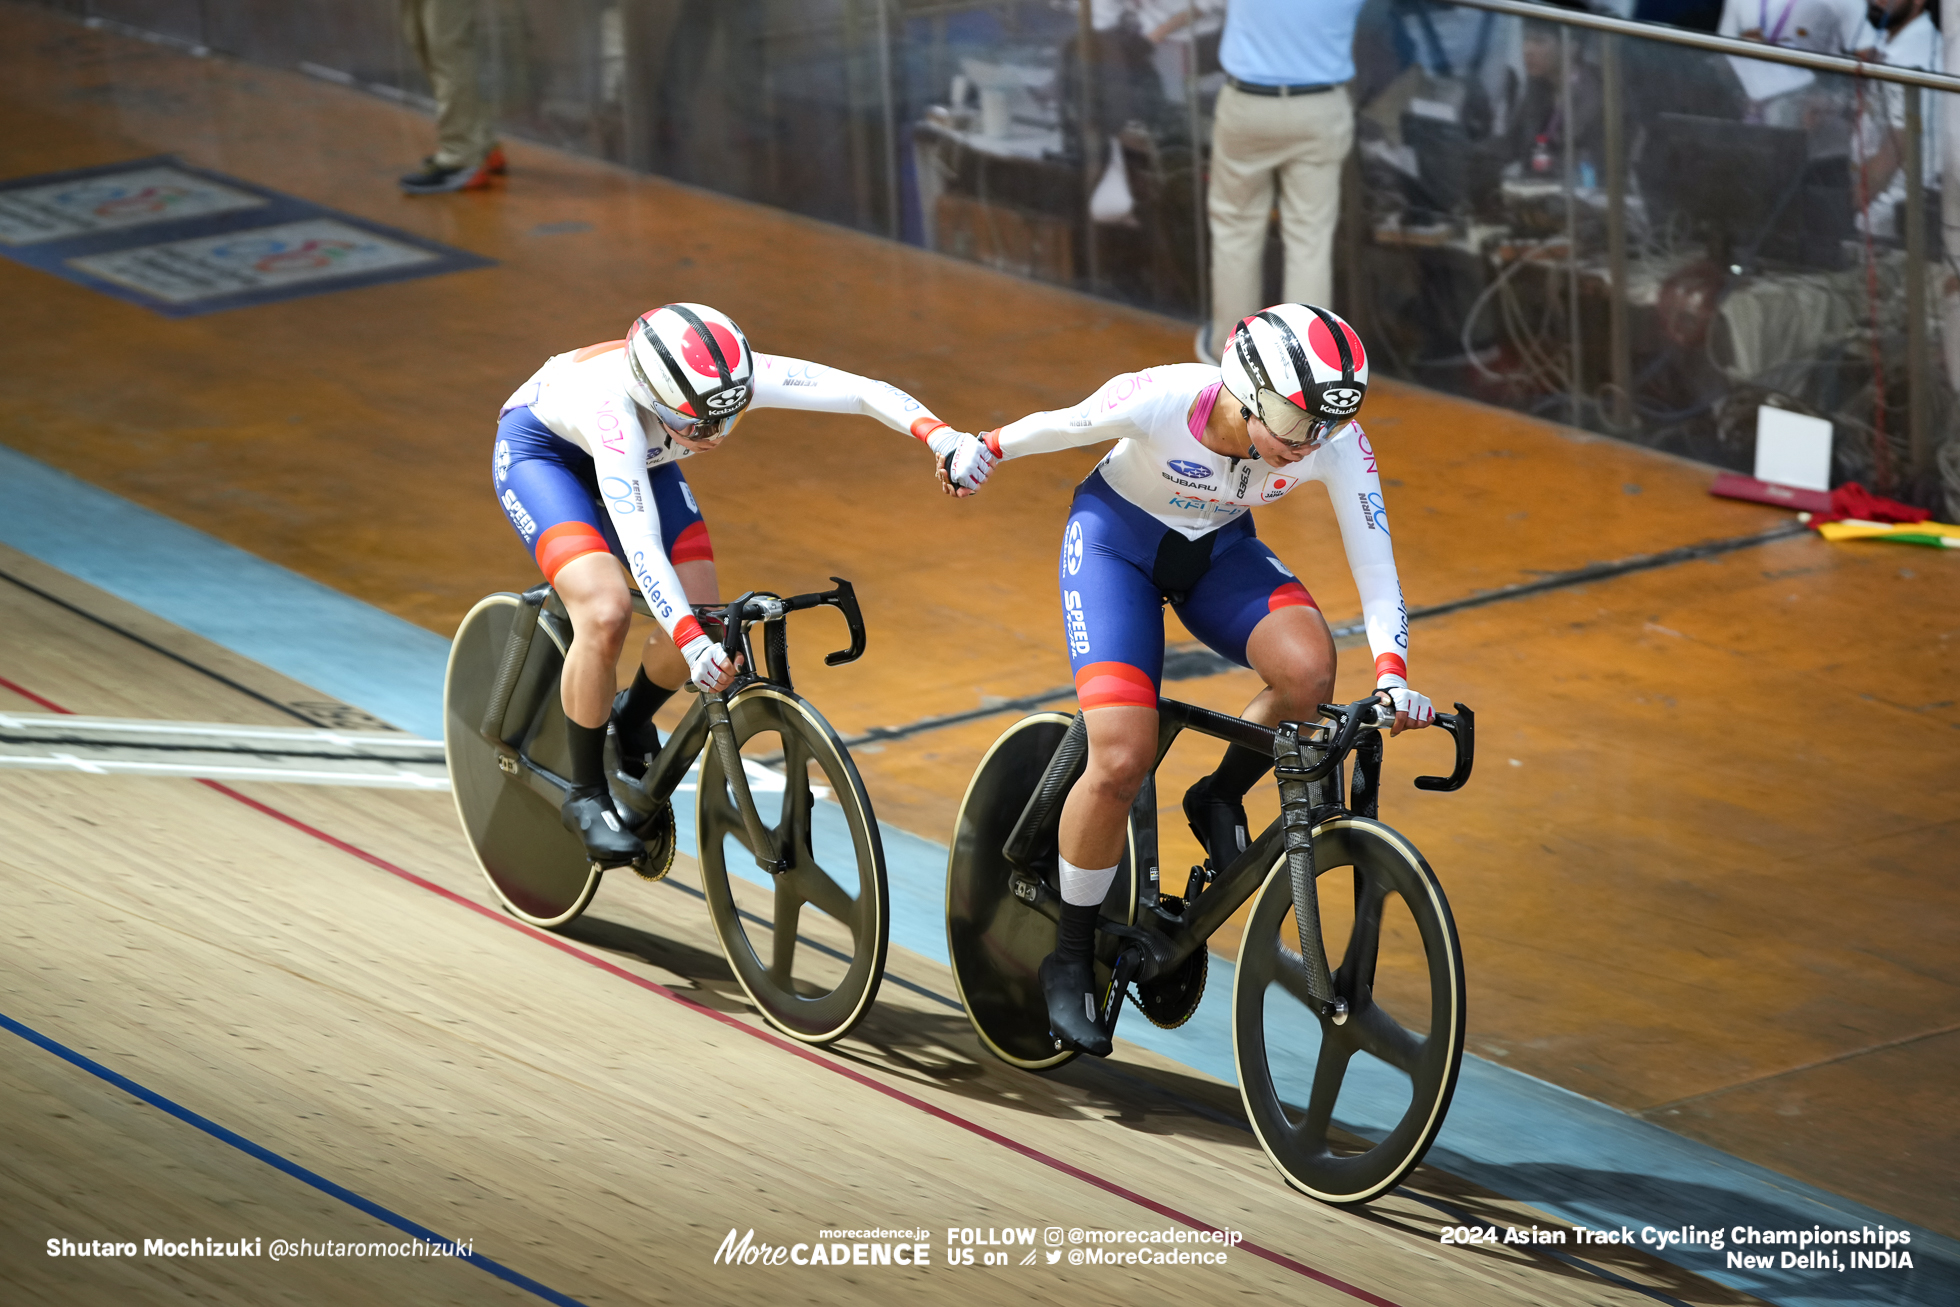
x,y
689,428
1290,424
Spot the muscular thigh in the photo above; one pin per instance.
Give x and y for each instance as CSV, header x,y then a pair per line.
x,y
1246,581
1112,612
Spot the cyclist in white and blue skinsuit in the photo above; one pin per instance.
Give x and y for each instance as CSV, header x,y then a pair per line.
x,y
1167,516
587,471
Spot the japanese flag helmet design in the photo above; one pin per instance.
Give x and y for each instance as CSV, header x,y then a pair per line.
x,y
692,366
1300,368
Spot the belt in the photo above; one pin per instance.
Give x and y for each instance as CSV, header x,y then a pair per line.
x,y
1283,92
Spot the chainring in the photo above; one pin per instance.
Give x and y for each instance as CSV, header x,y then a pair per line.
x,y
661,839
1171,1000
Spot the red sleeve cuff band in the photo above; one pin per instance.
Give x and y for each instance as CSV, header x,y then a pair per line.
x,y
993,441
924,427
686,631
1391,665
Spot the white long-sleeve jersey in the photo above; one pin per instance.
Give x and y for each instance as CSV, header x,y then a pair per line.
x,y
582,397
1159,465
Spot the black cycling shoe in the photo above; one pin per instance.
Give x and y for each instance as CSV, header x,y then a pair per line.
x,y
608,842
1070,989
1218,823
637,744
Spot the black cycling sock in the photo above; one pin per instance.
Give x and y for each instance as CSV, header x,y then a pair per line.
x,y
1075,937
643,700
588,750
1238,771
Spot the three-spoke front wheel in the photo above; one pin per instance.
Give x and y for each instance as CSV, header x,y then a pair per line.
x,y
812,974
1386,1073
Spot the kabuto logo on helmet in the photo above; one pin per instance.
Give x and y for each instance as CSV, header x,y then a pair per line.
x,y
1340,399
728,401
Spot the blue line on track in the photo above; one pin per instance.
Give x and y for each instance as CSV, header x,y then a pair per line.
x,y
272,1159
1568,1155
344,648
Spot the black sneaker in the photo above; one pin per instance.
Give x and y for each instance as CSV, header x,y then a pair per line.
x,y
1070,989
607,840
432,179
1218,823
637,744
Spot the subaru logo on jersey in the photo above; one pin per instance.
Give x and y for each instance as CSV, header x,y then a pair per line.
x,y
734,397
1340,399
1072,548
1185,468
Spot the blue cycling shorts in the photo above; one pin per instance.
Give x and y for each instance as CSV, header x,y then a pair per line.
x,y
1120,566
551,492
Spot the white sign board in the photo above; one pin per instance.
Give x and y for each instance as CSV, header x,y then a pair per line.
x,y
1793,449
109,201
262,258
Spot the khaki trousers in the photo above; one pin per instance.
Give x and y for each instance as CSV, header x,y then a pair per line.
x,y
1297,143
443,35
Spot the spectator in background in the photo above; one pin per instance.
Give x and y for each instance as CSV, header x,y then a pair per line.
x,y
1535,127
1904,34
1778,93
443,35
1283,118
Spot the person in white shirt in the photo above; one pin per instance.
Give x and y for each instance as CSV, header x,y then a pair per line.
x,y
1904,34
1777,92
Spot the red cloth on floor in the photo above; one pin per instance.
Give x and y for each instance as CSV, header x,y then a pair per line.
x,y
1852,500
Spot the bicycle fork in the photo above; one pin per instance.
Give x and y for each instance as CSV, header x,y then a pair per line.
x,y
722,730
1299,767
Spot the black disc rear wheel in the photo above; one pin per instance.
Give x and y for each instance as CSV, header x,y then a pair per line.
x,y
996,940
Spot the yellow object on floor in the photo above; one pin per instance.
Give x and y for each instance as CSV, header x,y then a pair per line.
x,y
1937,534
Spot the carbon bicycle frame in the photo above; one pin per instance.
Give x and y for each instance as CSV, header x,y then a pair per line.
x,y
1170,936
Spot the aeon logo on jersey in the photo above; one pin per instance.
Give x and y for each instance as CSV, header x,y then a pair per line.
x,y
1072,549
1340,399
1186,468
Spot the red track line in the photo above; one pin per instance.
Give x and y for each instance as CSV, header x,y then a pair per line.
x,y
788,1046
799,1050
29,694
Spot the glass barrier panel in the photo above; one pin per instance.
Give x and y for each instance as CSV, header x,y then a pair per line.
x,y
1653,241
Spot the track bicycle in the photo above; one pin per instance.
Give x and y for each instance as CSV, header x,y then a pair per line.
x,y
1396,995
805,821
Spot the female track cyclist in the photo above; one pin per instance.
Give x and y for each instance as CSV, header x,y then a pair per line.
x,y
587,470
1167,517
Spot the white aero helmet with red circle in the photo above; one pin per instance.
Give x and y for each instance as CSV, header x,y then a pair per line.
x,y
692,366
1299,367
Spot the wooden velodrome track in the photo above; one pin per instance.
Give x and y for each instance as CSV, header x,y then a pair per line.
x,y
1703,874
